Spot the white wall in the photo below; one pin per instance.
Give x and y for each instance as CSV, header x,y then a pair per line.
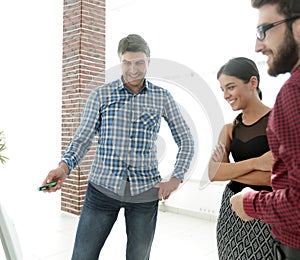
x,y
30,96
200,36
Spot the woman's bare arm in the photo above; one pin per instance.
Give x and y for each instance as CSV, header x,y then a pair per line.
x,y
260,178
220,169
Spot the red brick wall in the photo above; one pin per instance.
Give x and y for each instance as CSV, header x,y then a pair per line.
x,y
83,69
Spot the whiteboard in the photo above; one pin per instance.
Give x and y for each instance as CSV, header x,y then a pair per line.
x,y
9,237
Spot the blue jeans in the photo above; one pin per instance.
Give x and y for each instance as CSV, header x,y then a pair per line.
x,y
98,216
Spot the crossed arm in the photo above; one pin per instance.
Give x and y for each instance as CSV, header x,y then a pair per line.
x,y
254,171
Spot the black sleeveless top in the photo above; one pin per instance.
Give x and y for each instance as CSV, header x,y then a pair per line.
x,y
248,141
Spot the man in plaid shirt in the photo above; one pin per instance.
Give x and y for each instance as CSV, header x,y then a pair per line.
x,y
278,37
126,115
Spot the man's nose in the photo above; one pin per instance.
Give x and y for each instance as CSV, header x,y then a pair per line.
x,y
259,45
133,67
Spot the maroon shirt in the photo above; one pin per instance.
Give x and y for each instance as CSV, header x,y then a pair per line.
x,y
281,207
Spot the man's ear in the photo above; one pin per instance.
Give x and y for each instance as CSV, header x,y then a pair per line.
x,y
296,31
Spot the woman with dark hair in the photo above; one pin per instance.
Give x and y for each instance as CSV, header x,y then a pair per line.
x,y
246,141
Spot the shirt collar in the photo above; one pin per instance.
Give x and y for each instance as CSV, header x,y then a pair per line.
x,y
296,68
122,86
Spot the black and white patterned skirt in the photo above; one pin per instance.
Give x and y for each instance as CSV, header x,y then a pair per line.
x,y
239,240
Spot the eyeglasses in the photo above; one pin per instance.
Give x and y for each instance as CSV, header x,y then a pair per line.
x,y
261,30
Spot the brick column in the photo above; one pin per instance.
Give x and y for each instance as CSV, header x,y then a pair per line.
x,y
83,68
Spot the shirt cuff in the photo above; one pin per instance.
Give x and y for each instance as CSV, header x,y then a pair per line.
x,y
69,167
248,203
179,174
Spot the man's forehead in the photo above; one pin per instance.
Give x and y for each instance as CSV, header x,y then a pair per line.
x,y
132,56
133,60
268,14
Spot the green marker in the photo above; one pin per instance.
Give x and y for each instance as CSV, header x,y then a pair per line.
x,y
47,186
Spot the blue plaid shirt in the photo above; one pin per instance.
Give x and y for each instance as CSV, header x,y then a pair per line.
x,y
127,125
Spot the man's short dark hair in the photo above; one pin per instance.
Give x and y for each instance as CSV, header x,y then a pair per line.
x,y
288,8
133,43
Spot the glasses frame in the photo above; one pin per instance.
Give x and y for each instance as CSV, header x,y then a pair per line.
x,y
261,29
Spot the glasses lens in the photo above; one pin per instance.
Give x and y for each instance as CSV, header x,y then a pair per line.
x,y
260,33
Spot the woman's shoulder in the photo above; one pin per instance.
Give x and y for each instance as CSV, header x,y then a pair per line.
x,y
226,132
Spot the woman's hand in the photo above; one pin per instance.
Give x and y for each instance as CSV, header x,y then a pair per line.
x,y
218,153
264,162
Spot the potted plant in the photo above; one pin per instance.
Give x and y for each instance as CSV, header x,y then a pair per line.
x,y
2,148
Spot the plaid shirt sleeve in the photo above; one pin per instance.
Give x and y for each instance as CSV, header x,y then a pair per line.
x,y
281,207
182,136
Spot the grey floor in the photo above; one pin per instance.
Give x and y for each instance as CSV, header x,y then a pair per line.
x,y
46,233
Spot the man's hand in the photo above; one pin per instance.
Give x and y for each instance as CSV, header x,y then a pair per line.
x,y
59,175
237,204
166,188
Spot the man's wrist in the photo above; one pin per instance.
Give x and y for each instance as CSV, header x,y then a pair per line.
x,y
248,203
64,167
177,180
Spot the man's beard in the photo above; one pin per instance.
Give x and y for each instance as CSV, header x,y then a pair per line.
x,y
287,56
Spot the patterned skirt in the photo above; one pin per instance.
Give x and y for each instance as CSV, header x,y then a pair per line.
x,y
239,240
